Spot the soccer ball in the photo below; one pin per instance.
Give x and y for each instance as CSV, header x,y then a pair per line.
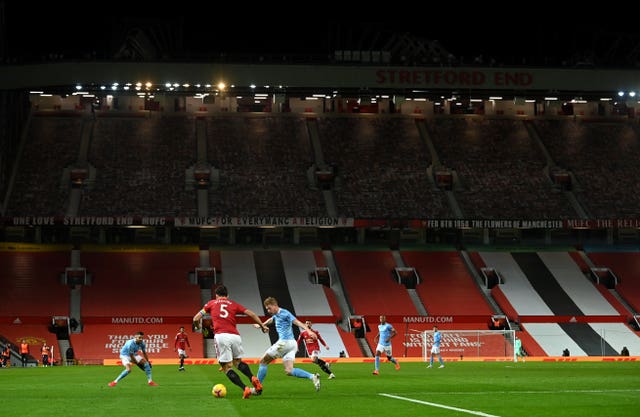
x,y
219,391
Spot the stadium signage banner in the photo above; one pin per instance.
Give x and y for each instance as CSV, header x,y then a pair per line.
x,y
144,320
271,221
493,224
453,78
432,320
135,320
263,221
531,224
155,343
221,221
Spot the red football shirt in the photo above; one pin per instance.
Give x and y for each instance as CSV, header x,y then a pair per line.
x,y
310,343
223,313
182,341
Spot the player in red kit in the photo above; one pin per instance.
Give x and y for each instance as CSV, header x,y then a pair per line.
x,y
312,345
227,339
180,346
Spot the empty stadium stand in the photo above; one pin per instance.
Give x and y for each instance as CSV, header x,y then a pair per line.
x,y
368,281
263,163
40,187
571,310
626,266
379,177
447,287
31,285
141,158
134,284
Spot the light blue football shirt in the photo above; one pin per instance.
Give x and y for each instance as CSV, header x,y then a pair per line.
x,y
131,347
284,324
385,334
437,338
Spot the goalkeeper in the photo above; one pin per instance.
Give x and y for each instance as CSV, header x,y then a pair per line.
x,y
518,349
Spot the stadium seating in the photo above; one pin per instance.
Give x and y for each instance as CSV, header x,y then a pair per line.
x,y
32,287
446,280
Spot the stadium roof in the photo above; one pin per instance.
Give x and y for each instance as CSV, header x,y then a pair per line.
x,y
60,46
538,36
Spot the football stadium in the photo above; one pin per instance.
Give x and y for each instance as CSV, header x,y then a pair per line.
x,y
480,214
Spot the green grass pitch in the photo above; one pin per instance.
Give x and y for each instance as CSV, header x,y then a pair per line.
x,y
539,389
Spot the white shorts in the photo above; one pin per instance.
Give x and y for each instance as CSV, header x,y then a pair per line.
x,y
314,353
126,359
228,347
435,350
285,349
182,352
384,349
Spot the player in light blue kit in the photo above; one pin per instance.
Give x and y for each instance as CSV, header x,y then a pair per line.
x,y
385,333
134,351
286,346
435,348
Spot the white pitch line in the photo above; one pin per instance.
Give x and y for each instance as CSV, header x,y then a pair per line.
x,y
565,391
462,410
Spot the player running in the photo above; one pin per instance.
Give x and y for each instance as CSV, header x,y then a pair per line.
x,y
180,346
227,339
312,345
